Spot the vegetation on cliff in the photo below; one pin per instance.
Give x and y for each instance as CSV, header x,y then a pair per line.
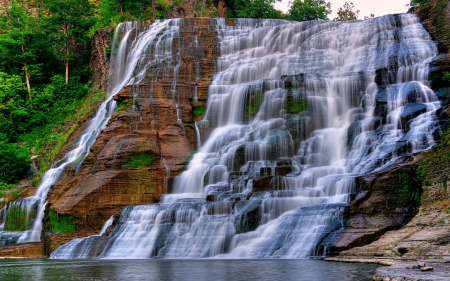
x,y
45,78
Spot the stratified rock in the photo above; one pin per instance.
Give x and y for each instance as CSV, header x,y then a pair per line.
x,y
380,205
156,125
25,251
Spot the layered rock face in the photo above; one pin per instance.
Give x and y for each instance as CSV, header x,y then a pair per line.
x,y
155,120
150,138
426,236
302,142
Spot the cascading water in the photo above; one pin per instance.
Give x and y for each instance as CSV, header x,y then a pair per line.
x,y
295,112
31,210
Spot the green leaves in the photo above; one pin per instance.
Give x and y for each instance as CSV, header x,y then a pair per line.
x,y
14,162
346,13
254,9
304,10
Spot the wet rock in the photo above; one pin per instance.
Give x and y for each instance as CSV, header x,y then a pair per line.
x,y
411,111
385,76
357,127
25,251
378,206
103,184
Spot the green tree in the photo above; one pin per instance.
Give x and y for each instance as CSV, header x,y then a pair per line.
x,y
415,3
68,24
14,162
253,9
18,40
346,12
304,10
13,112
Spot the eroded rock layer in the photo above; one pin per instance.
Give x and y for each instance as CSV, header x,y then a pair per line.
x,y
155,119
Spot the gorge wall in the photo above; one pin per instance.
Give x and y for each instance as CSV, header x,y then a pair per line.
x,y
380,203
425,237
146,124
150,139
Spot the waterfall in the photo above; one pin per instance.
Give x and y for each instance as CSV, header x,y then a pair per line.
x,y
295,112
123,63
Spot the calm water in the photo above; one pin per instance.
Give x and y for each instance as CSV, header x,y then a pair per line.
x,y
184,270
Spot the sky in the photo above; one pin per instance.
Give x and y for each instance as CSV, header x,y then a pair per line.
x,y
366,7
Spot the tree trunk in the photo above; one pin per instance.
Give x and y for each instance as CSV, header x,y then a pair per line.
x,y
153,10
67,62
27,76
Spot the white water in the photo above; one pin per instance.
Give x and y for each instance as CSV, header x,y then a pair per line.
x,y
249,134
123,65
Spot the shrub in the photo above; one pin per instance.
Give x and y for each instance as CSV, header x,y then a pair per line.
x,y
14,162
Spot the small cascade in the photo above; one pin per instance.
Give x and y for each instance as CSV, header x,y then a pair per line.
x,y
166,177
197,134
195,100
296,111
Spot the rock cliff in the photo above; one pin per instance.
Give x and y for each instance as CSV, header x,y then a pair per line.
x,y
144,125
426,237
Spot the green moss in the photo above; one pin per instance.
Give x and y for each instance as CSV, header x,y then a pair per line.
x,y
16,218
139,162
198,111
61,223
446,76
16,193
409,187
124,105
254,102
295,106
437,160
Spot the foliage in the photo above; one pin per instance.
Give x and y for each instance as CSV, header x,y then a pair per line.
x,y
304,10
346,12
49,139
437,160
205,9
61,223
68,23
139,162
123,105
18,219
6,186
295,106
446,76
409,186
253,9
198,111
415,3
14,162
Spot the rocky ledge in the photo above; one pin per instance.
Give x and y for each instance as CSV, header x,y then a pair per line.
x,y
146,143
25,251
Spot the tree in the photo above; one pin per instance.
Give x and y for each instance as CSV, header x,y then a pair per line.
x,y
415,3
18,44
304,10
13,112
68,22
253,9
14,162
346,13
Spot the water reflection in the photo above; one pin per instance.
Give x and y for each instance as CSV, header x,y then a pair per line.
x,y
184,270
